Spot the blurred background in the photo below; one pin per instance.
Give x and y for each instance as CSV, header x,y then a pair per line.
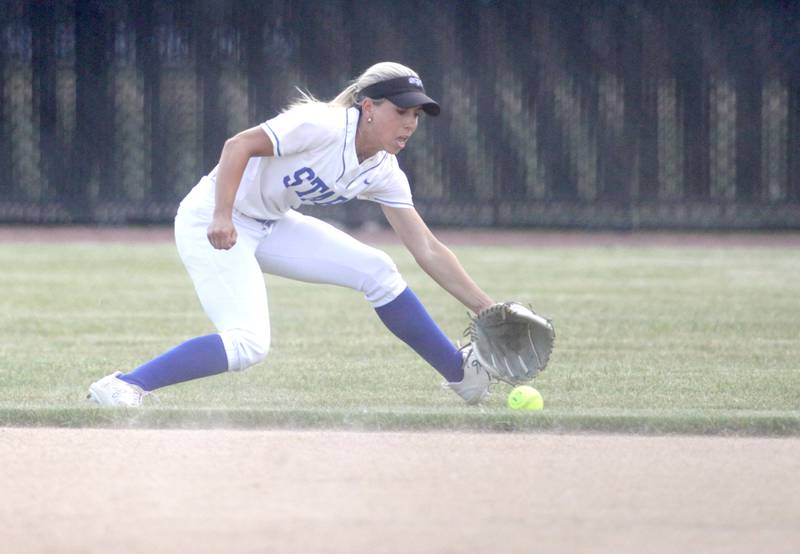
x,y
599,115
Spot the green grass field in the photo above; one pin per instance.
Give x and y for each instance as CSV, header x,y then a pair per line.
x,y
650,340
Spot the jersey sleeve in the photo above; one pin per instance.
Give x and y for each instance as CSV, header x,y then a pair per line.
x,y
301,129
390,187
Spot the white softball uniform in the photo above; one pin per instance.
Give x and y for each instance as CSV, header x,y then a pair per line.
x,y
315,163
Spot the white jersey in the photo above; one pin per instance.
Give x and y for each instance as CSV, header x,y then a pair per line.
x,y
315,162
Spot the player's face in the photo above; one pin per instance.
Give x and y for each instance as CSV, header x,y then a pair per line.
x,y
394,125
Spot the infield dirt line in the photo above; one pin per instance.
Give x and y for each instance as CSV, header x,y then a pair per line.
x,y
376,234
98,490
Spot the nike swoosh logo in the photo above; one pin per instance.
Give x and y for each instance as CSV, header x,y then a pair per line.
x,y
367,181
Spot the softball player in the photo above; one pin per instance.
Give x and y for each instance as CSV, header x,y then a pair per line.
x,y
240,221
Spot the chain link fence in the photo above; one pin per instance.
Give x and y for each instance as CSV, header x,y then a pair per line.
x,y
622,115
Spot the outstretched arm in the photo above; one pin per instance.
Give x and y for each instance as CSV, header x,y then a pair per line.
x,y
232,162
436,259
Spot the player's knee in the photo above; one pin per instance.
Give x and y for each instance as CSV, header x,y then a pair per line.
x,y
383,281
245,347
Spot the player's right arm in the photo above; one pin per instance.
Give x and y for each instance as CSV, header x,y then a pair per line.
x,y
236,152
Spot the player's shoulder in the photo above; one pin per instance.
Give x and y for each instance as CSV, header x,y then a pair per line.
x,y
388,168
390,163
305,127
320,116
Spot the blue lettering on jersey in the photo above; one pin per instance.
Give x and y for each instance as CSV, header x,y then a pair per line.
x,y
310,189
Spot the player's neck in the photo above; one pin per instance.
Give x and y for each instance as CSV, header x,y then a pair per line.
x,y
365,146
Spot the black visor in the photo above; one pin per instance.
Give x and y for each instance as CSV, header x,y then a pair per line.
x,y
405,92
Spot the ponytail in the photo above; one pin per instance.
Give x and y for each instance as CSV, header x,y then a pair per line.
x,y
351,95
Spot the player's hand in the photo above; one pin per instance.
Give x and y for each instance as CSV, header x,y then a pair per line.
x,y
222,233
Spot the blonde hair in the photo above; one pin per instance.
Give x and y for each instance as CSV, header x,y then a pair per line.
x,y
351,95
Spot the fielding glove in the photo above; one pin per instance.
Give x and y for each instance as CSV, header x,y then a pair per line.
x,y
511,341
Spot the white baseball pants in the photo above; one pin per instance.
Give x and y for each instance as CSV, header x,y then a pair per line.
x,y
230,283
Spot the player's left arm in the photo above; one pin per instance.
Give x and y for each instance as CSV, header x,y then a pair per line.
x,y
436,259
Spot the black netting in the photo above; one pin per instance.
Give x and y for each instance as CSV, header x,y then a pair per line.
x,y
592,114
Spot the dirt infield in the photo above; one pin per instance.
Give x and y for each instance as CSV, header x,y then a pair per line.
x,y
96,490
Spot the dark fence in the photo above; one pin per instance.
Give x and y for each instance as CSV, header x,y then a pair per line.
x,y
619,114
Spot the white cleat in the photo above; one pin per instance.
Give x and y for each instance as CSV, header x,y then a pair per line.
x,y
112,391
474,387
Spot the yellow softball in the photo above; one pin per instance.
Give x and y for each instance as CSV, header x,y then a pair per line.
x,y
525,397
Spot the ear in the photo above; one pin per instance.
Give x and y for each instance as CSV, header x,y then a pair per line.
x,y
367,106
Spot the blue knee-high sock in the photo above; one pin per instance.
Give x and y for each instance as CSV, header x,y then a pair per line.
x,y
407,318
195,358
